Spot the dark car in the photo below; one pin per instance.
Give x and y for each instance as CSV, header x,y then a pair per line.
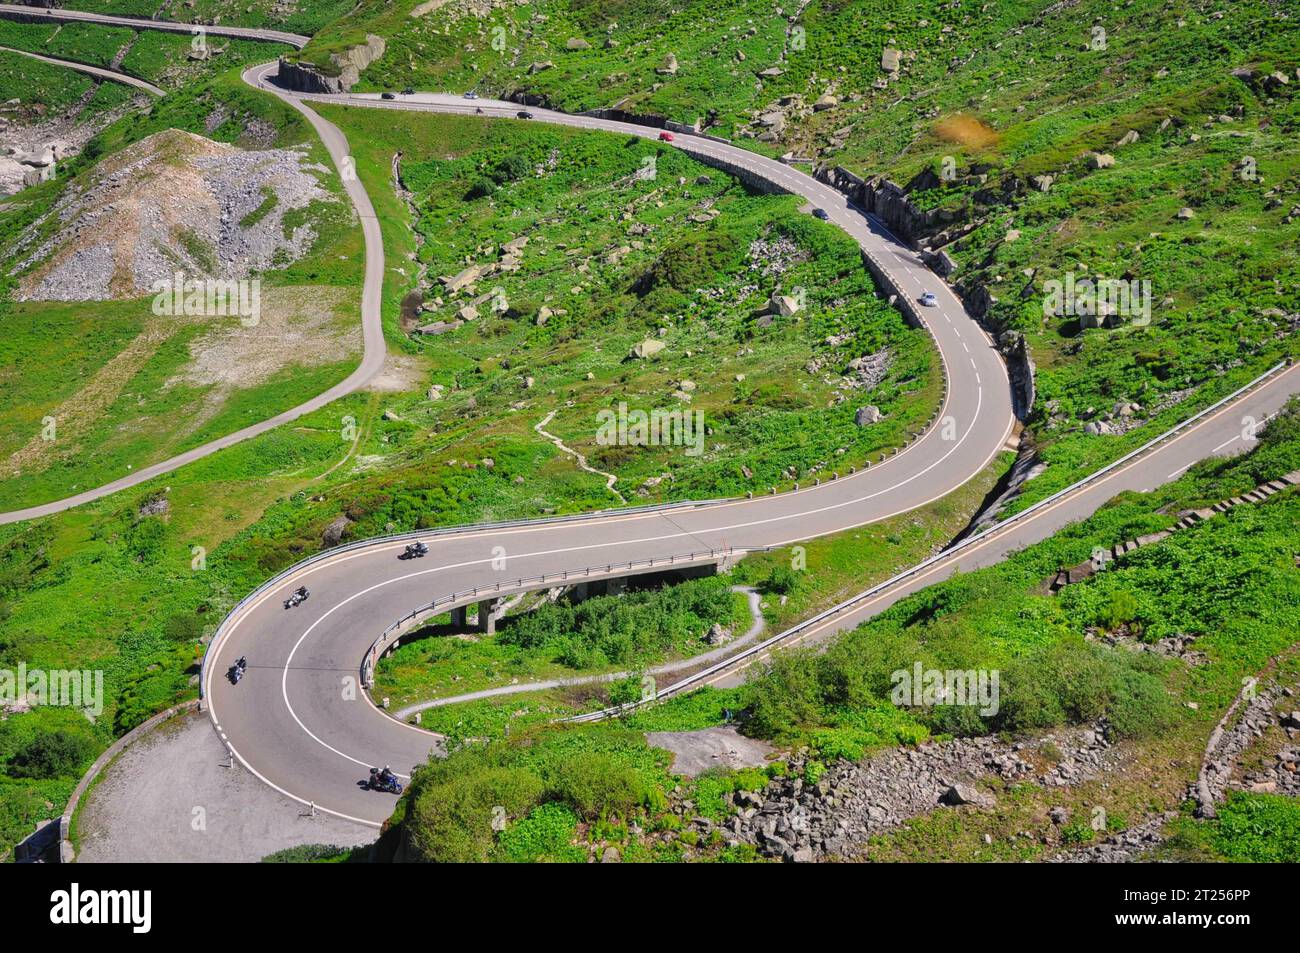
x,y
387,96
524,114
821,213
409,91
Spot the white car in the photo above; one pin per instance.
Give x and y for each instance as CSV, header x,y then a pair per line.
x,y
929,300
471,95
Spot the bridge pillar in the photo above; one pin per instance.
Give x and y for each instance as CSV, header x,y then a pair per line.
x,y
459,618
487,616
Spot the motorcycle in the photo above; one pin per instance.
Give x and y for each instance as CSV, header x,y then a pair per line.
x,y
379,783
236,671
414,551
298,598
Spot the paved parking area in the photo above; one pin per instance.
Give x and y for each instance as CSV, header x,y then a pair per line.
x,y
168,797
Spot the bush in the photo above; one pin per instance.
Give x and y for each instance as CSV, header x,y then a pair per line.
x,y
452,822
52,754
1258,828
1120,609
786,697
636,627
1140,708
546,834
595,784
781,581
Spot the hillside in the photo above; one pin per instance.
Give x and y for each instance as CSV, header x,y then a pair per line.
x,y
49,113
540,281
576,249
1035,146
242,227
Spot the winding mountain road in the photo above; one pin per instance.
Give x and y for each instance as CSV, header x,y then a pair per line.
x,y
301,721
17,11
116,76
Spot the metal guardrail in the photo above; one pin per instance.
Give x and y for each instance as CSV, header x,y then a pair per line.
x,y
381,646
852,602
284,575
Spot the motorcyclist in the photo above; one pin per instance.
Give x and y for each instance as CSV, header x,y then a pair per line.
x,y
242,663
386,776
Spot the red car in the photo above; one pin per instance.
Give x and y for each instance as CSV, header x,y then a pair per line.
x,y
665,137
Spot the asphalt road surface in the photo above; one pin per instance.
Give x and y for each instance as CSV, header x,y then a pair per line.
x,y
116,76
300,719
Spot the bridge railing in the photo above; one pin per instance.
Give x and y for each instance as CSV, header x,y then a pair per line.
x,y
285,575
956,550
387,641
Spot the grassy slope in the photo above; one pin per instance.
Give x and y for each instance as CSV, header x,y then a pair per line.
x,y
48,357
162,58
305,16
781,421
264,504
46,90
1037,92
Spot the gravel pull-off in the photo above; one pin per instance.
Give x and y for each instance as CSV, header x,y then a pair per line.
x,y
170,798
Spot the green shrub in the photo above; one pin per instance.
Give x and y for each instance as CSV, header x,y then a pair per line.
x,y
595,783
1258,828
546,834
782,581
52,754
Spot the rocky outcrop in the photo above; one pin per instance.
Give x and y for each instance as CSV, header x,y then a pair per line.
x,y
1247,718
929,230
1124,848
802,820
333,534
115,232
342,74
